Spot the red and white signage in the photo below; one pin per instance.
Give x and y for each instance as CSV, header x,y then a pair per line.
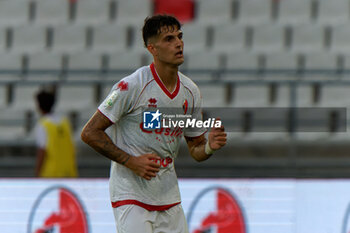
x,y
210,205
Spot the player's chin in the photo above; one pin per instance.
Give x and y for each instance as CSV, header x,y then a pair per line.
x,y
179,61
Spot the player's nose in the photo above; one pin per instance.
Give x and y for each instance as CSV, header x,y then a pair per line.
x,y
178,42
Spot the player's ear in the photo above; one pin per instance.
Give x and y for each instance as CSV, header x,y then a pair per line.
x,y
152,49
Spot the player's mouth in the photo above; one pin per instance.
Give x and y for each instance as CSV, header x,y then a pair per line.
x,y
179,54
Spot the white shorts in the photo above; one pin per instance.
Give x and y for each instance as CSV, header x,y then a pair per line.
x,y
135,219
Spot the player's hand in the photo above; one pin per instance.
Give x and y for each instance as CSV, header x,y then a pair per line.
x,y
217,137
144,165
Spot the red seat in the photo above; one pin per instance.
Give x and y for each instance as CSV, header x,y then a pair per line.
x,y
183,10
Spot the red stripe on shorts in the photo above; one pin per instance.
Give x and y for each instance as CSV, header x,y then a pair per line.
x,y
143,205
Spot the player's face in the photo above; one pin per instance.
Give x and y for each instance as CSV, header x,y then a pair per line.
x,y
169,46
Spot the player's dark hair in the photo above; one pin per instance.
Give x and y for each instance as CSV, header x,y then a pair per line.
x,y
46,100
154,24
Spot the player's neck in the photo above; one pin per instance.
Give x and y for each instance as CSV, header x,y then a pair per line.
x,y
168,75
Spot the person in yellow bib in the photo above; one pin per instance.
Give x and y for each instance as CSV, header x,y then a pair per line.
x,y
55,146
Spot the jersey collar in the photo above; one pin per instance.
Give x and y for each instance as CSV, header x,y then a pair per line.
x,y
162,86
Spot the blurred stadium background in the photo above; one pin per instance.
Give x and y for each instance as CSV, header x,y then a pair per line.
x,y
243,54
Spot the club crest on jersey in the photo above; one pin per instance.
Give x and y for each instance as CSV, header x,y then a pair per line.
x,y
152,103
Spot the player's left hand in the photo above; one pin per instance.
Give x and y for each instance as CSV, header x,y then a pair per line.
x,y
217,137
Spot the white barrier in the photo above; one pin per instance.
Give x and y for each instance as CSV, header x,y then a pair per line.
x,y
221,205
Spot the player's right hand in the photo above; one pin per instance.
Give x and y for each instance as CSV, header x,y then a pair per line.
x,y
144,165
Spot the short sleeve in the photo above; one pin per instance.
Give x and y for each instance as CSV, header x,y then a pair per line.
x,y
40,136
118,101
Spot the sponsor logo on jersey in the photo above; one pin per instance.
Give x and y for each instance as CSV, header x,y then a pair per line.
x,y
216,210
58,210
152,103
164,162
151,120
111,99
176,132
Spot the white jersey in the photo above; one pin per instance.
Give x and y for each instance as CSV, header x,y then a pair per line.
x,y
124,107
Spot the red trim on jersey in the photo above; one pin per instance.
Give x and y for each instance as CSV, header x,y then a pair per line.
x,y
143,205
105,116
193,107
138,98
161,84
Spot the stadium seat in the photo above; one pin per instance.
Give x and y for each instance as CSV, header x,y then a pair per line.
x,y
268,38
282,99
253,12
267,121
11,62
29,38
75,98
183,10
24,98
210,12
242,60
127,60
294,12
85,60
308,37
229,37
51,12
340,38
194,37
45,61
92,12
304,96
321,60
133,12
69,38
248,96
205,60
109,37
313,121
10,133
135,40
281,61
333,12
14,12
346,57
213,96
335,96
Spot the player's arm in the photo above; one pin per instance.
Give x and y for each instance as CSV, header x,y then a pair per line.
x,y
201,149
95,136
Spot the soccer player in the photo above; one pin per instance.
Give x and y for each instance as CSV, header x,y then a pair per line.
x,y
143,184
55,146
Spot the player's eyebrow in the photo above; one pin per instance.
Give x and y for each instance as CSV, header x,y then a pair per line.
x,y
179,34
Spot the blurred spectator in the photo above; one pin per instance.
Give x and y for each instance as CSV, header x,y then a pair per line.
x,y
56,150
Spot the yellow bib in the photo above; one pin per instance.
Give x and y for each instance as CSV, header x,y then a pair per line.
x,y
60,153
